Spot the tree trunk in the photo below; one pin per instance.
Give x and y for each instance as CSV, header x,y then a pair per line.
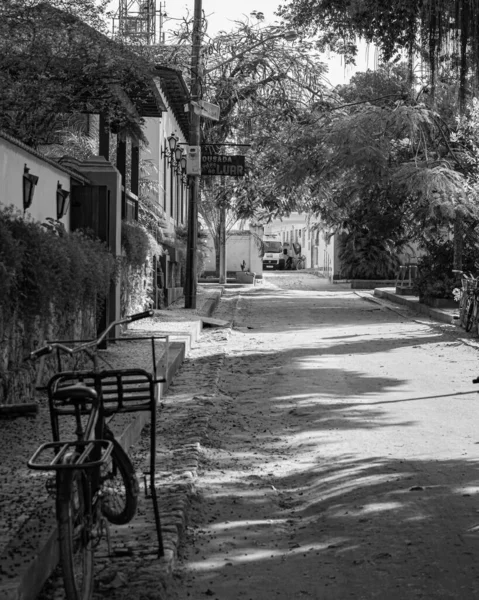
x,y
222,244
217,243
458,242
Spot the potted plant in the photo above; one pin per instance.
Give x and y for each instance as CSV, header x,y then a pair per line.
x,y
245,275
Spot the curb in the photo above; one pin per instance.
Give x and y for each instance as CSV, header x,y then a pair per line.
x,y
448,316
30,558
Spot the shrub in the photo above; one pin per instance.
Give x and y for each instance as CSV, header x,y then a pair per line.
x,y
136,244
364,256
435,276
138,247
48,270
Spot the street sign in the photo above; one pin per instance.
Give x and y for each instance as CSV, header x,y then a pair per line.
x,y
193,160
209,111
205,109
223,164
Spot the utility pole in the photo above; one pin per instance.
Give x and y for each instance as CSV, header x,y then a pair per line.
x,y
222,233
194,180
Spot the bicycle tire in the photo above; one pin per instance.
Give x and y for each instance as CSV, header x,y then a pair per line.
x,y
75,535
119,485
469,320
463,312
299,265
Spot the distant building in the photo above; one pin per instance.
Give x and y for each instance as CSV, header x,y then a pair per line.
x,y
317,244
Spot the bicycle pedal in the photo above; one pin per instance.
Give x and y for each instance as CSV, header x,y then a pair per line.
x,y
51,486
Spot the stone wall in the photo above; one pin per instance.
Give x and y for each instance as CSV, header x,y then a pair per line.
x,y
17,339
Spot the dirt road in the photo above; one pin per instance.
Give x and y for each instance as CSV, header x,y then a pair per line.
x,y
343,463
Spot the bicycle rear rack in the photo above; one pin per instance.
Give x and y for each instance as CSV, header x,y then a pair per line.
x,y
71,455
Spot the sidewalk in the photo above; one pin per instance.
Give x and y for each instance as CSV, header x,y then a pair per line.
x,y
445,315
28,548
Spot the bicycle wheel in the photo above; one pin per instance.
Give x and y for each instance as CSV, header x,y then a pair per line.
x,y
463,311
469,319
300,264
75,534
119,485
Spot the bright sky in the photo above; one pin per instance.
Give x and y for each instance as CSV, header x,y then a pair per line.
x,y
221,14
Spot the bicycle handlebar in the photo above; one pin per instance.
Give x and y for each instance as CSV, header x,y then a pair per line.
x,y
48,348
142,315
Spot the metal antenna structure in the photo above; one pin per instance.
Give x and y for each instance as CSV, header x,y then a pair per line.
x,y
140,21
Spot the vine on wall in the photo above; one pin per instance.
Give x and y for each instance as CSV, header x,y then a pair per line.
x,y
137,278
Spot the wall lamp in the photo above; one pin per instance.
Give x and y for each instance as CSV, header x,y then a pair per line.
x,y
29,183
62,201
178,153
170,147
179,157
172,142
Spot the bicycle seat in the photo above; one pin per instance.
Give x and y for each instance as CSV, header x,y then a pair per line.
x,y
77,391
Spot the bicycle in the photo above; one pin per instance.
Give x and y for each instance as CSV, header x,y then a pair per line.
x,y
301,262
95,481
468,301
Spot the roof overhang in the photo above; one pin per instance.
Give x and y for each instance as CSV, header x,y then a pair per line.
x,y
177,94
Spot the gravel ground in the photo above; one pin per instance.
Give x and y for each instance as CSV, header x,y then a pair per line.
x,y
345,463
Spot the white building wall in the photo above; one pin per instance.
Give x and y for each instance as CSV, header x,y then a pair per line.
x,y
327,260
240,246
13,159
157,132
296,228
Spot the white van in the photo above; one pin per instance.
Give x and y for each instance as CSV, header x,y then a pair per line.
x,y
273,257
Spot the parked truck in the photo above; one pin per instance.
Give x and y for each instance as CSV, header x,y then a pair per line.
x,y
273,257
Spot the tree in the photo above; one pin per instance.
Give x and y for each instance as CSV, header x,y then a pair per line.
x,y
260,81
215,199
388,161
445,33
54,62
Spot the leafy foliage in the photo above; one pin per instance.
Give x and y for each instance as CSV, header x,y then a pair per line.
x,y
139,247
135,244
53,62
435,276
444,32
50,272
366,257
262,83
399,159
